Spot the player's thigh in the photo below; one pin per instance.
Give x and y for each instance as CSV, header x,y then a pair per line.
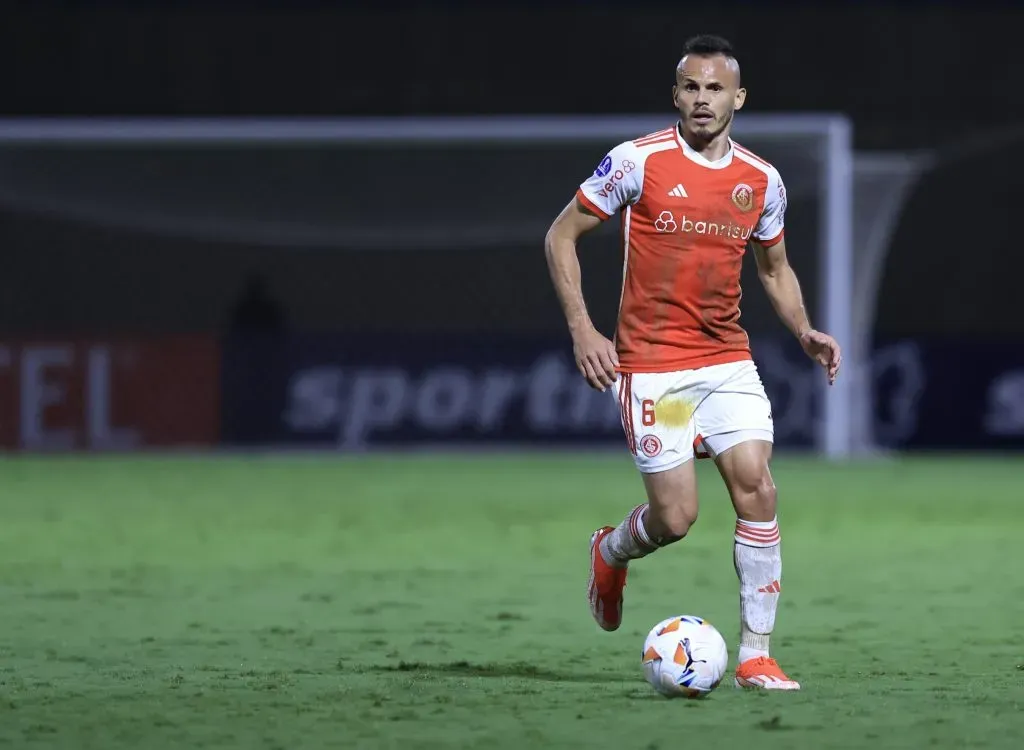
x,y
736,409
672,496
657,418
735,428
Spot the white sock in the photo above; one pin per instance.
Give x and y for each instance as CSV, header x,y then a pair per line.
x,y
757,553
629,541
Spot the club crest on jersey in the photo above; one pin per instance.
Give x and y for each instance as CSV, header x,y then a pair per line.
x,y
650,445
743,197
604,167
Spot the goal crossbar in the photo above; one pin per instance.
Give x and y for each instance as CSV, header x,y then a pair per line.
x,y
470,129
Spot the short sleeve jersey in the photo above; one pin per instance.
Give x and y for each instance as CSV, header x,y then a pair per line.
x,y
685,226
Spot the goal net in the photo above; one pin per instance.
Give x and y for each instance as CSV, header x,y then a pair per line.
x,y
363,220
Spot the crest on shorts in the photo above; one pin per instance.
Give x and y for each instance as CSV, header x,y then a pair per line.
x,y
743,197
650,445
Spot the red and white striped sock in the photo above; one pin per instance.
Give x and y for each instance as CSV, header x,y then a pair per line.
x,y
757,553
629,541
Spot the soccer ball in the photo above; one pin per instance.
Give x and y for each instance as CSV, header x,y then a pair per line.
x,y
684,656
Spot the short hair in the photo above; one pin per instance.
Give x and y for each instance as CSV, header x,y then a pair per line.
x,y
708,44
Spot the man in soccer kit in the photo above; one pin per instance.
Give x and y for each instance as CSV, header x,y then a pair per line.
x,y
690,200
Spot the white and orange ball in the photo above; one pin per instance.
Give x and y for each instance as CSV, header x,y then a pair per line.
x,y
684,657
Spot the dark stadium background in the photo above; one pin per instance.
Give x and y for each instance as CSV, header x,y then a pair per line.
x,y
912,76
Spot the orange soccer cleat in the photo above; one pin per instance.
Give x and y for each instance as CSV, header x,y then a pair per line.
x,y
604,588
764,673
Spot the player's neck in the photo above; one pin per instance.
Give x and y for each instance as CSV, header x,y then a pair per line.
x,y
711,149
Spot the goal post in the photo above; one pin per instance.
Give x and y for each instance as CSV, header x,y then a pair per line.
x,y
836,280
824,139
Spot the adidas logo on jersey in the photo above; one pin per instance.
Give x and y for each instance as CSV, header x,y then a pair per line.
x,y
678,191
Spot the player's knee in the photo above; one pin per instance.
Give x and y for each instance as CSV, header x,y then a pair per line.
x,y
674,521
755,496
680,520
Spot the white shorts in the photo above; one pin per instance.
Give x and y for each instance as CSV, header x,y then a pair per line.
x,y
672,417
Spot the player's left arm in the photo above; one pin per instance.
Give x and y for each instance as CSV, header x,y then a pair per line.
x,y
781,284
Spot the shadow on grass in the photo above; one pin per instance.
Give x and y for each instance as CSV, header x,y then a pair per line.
x,y
518,670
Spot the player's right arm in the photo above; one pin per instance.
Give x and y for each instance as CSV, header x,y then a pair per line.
x,y
595,354
599,197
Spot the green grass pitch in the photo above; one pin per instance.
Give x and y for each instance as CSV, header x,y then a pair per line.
x,y
438,602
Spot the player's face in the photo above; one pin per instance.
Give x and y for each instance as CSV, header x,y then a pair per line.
x,y
707,92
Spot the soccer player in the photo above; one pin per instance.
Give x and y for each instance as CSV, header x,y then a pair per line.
x,y
690,199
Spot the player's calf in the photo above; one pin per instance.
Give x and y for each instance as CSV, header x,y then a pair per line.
x,y
630,540
611,549
757,552
668,523
647,528
667,517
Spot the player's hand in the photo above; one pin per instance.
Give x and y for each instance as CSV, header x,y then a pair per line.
x,y
824,350
595,358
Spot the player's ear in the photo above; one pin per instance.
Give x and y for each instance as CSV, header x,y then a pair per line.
x,y
741,96
675,95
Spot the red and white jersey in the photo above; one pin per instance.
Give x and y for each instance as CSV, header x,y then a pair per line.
x,y
685,226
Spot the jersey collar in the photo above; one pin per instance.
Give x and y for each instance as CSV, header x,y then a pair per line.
x,y
693,156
